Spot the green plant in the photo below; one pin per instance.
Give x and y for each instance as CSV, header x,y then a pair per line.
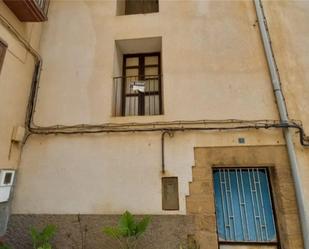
x,y
41,239
4,246
128,230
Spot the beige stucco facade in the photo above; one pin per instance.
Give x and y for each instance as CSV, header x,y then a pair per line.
x,y
15,82
213,68
289,32
82,59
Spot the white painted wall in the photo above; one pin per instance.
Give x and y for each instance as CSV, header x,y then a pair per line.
x,y
200,39
110,173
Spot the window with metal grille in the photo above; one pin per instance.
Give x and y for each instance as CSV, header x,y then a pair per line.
x,y
244,209
140,85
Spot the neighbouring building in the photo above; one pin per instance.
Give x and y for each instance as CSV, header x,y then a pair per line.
x,y
192,111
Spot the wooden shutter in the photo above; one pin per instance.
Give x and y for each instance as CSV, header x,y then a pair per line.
x,y
134,7
151,6
141,6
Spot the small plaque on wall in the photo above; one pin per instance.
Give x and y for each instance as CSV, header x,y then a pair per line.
x,y
170,198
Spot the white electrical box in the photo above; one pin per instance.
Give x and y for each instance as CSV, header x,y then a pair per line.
x,y
6,184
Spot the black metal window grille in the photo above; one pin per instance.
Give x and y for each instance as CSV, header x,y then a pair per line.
x,y
244,208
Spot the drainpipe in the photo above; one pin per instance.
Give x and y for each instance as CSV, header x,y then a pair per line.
x,y
284,119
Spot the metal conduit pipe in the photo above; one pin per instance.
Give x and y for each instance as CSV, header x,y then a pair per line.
x,y
284,118
171,134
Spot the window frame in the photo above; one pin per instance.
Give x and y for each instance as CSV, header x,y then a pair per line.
x,y
271,196
141,76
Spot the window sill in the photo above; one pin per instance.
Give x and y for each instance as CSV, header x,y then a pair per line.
x,y
139,14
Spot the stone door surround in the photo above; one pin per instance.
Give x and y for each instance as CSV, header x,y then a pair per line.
x,y
200,202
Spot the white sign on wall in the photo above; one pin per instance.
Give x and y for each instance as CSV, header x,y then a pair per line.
x,y
138,86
